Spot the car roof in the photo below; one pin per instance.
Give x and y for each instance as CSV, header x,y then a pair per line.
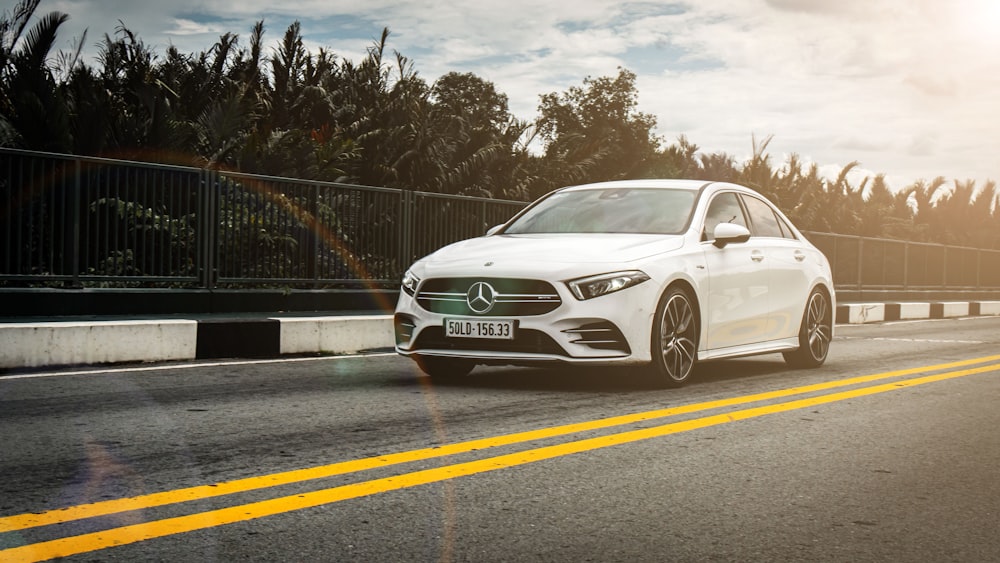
x,y
693,185
659,183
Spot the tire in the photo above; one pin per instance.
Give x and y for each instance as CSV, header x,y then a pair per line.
x,y
675,338
444,369
815,334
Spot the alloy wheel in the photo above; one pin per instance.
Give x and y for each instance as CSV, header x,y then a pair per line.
x,y
819,331
678,346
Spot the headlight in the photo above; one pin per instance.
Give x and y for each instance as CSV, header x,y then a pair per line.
x,y
596,286
410,283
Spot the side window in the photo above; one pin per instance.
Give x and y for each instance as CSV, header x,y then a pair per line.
x,y
765,222
786,231
725,208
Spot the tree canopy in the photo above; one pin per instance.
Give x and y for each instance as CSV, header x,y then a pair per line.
x,y
377,122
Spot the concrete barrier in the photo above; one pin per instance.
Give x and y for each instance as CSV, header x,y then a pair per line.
x,y
988,308
950,309
908,311
335,335
860,313
68,343
30,345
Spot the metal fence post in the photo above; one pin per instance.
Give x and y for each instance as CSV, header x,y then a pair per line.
x,y
979,268
207,245
906,266
861,261
74,248
406,205
312,269
944,268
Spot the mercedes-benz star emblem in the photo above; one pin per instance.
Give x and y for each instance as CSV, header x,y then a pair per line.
x,y
481,297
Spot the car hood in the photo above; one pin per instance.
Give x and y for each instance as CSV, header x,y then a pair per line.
x,y
523,254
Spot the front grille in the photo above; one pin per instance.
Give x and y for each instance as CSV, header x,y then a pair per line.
x,y
526,341
513,297
600,336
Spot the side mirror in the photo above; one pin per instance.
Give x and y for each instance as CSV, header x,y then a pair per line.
x,y
730,233
493,230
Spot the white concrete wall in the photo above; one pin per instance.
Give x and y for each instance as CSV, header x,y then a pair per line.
x,y
955,309
335,335
860,313
69,343
989,308
914,311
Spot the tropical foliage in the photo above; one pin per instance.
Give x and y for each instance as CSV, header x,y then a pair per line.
x,y
376,122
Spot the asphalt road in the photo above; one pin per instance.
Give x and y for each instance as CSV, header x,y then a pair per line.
x,y
890,452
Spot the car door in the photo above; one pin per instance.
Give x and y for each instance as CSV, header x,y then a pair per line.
x,y
787,277
738,288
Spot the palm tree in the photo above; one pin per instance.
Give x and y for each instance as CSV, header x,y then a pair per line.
x,y
141,122
33,113
922,195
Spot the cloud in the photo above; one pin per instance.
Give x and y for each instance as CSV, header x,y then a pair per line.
x,y
840,7
183,26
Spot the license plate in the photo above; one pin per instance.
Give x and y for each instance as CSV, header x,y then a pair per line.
x,y
474,328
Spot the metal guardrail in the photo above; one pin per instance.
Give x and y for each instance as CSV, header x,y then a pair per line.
x,y
72,221
871,264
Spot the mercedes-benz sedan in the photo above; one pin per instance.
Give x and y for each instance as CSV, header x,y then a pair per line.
x,y
657,273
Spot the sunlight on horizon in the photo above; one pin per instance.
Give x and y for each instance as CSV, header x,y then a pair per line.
x,y
979,20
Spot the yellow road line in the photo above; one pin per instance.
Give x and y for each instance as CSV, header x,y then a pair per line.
x,y
114,506
149,530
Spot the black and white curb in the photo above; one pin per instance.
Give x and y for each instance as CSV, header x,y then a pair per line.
x,y
861,313
61,343
40,344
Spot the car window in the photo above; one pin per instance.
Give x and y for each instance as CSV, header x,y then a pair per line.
x,y
765,222
725,208
612,210
786,230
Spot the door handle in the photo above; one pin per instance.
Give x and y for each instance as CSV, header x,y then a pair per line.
x,y
757,256
799,256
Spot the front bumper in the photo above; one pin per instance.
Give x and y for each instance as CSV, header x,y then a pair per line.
x,y
610,329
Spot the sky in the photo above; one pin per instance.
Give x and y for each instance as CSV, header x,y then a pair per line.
x,y
908,88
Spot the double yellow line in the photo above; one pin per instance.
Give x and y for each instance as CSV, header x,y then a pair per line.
x,y
159,528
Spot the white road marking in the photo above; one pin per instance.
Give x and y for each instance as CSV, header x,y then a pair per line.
x,y
925,340
107,371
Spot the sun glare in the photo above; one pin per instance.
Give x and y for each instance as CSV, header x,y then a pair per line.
x,y
980,18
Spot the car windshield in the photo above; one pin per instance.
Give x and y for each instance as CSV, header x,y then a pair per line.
x,y
613,210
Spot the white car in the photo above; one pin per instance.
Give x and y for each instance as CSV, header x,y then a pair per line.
x,y
660,273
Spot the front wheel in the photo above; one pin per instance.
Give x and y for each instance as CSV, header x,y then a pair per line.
x,y
816,333
675,338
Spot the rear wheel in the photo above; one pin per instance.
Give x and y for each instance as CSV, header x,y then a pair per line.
x,y
443,369
675,338
815,334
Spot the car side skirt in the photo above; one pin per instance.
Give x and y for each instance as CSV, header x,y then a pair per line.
x,y
773,346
